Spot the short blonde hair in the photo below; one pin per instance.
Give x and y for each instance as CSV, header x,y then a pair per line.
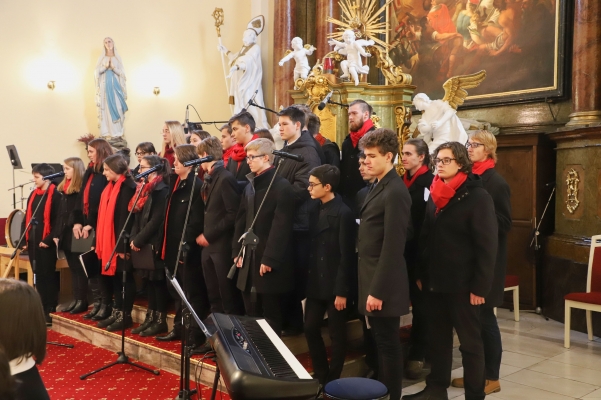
x,y
488,140
262,146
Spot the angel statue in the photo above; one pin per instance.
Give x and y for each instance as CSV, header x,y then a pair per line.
x,y
111,91
299,53
439,122
353,50
246,73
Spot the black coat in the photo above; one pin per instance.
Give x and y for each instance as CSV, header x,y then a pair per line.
x,y
418,212
274,229
239,172
458,246
297,173
350,178
360,199
332,153
382,234
149,222
320,153
98,184
63,227
333,263
221,208
498,189
39,216
176,215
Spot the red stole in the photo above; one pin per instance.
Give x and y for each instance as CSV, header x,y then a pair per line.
x,y
86,190
408,182
105,229
442,192
322,140
47,209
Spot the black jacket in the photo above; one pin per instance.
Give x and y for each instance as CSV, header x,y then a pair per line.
x,y
39,216
498,189
350,178
418,211
320,153
332,153
458,246
221,208
176,215
239,172
274,229
98,184
297,173
149,222
333,263
63,227
382,234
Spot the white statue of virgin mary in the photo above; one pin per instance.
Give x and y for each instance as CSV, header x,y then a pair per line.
x,y
111,91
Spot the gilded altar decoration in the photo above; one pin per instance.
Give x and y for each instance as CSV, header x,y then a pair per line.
x,y
572,181
403,121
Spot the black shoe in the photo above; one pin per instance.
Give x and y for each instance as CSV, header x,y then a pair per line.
x,y
81,306
173,335
122,319
48,319
147,322
68,307
104,312
428,393
201,349
159,325
93,311
109,320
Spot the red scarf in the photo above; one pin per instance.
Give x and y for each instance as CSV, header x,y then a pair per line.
x,y
105,230
167,220
86,191
66,185
356,136
319,137
226,155
238,152
148,188
169,155
408,182
442,192
47,209
481,166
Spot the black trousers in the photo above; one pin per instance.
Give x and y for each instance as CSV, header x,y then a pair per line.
x,y
130,291
445,312
314,313
293,317
491,340
418,339
46,280
106,288
369,347
266,305
79,280
223,295
158,294
385,332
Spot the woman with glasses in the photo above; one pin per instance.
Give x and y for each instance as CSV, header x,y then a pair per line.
x,y
458,246
482,150
143,149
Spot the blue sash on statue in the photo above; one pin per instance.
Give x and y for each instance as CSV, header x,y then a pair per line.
x,y
113,93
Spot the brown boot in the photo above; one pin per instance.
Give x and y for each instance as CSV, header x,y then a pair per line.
x,y
490,388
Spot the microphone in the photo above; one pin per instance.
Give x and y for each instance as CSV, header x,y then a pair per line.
x,y
283,154
198,161
250,101
325,101
187,128
144,174
52,176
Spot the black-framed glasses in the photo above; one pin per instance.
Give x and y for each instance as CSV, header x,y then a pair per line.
x,y
139,153
444,161
312,185
250,158
475,145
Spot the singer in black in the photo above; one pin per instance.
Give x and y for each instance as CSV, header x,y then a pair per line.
x,y
70,188
266,272
221,196
330,149
243,128
305,132
149,214
85,217
189,271
39,243
112,214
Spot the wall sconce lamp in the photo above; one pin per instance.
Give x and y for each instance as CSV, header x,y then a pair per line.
x,y
156,91
51,85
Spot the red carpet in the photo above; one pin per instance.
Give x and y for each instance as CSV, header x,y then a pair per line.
x,y
63,366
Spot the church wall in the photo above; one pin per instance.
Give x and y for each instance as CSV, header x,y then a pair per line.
x,y
171,45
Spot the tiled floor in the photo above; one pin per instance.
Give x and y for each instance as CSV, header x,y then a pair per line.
x,y
535,364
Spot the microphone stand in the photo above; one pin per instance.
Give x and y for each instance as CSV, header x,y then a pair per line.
x,y
337,103
14,193
123,359
252,103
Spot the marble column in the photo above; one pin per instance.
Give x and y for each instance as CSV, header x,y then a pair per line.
x,y
284,29
325,9
586,64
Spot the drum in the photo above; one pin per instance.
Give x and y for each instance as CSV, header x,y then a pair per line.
x,y
12,231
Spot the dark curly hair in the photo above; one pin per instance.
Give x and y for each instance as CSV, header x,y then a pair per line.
x,y
459,152
384,139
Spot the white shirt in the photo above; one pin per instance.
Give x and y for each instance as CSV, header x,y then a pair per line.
x,y
21,364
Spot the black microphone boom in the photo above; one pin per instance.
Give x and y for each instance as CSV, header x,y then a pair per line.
x,y
52,176
250,101
198,161
283,154
144,174
325,101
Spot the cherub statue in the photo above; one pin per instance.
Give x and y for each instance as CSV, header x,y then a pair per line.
x,y
299,53
439,122
353,50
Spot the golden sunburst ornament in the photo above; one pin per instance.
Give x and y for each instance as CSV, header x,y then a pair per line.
x,y
361,17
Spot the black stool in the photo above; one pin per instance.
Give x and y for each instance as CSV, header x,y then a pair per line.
x,y
355,389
